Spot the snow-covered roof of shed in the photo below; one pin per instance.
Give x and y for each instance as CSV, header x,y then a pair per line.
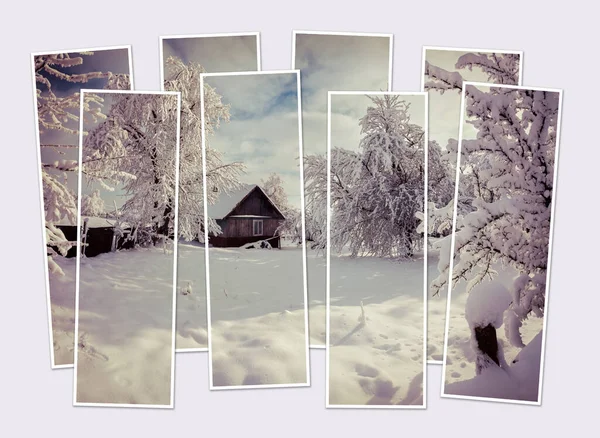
x,y
226,202
93,222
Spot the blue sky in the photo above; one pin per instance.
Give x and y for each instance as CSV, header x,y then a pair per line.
x,y
263,130
216,53
336,63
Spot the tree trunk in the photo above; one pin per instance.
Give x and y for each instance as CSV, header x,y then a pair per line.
x,y
487,343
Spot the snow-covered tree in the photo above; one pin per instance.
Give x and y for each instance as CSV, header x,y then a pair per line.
x,y
135,149
273,187
185,78
500,68
92,205
315,200
292,226
512,160
61,113
377,191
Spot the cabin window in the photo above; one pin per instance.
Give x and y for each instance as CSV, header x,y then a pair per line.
x,y
257,227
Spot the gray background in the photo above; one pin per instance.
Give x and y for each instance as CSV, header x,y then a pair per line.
x,y
557,41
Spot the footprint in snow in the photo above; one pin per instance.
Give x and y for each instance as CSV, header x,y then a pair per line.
x,y
89,350
366,370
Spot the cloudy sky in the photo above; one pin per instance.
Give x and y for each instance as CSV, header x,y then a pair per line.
x,y
263,130
216,54
336,63
444,109
113,60
347,109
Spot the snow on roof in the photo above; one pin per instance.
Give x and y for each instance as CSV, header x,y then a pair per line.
x,y
228,201
93,222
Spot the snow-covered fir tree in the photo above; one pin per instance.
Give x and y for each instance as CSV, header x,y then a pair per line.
x,y
511,165
185,78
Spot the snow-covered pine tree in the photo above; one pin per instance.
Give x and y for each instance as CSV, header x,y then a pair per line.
x,y
185,78
513,158
61,113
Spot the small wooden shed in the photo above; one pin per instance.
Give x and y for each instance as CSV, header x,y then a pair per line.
x,y
246,215
100,236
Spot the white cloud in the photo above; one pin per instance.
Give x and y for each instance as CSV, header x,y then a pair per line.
x,y
336,63
266,140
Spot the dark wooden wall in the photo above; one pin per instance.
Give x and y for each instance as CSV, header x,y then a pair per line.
x,y
242,227
99,241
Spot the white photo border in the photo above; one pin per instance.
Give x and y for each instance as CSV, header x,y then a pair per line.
x,y
171,405
328,272
551,238
40,184
390,79
212,387
463,49
161,40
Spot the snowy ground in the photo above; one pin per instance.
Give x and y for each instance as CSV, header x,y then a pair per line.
x,y
460,362
436,313
192,326
317,289
257,317
125,346
381,361
62,307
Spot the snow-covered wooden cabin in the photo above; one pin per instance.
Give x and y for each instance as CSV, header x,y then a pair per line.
x,y
246,215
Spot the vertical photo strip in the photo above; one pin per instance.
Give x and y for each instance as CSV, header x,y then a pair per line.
x,y
499,269
183,60
254,230
444,71
127,252
330,61
58,77
375,191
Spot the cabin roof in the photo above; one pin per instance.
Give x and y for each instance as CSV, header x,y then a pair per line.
x,y
93,222
227,202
